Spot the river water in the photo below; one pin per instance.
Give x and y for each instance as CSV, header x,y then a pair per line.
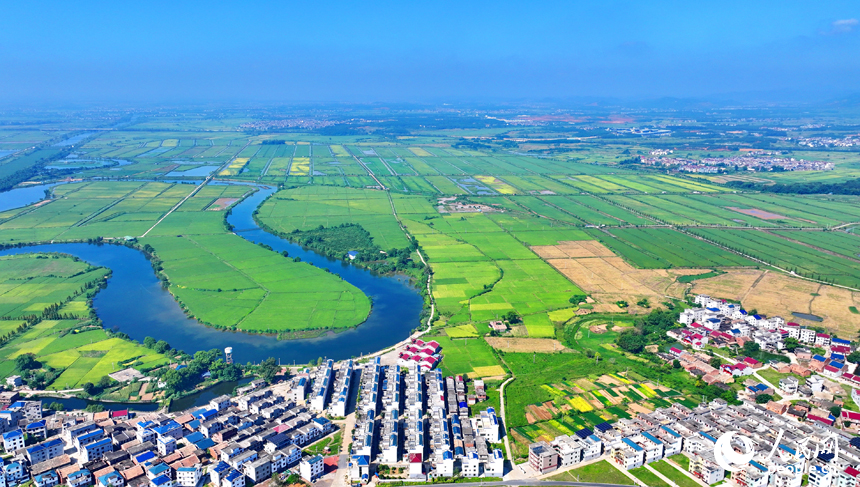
x,y
135,303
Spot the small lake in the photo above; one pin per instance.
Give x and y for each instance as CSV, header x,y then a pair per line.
x,y
27,195
197,172
75,403
73,140
807,316
81,163
135,303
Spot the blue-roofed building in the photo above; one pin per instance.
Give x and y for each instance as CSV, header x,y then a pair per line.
x,y
87,438
45,451
628,454
818,358
359,468
219,470
14,472
837,356
46,479
170,428
13,440
194,437
113,479
603,427
162,481
79,479
96,450
144,457
205,443
205,414
234,479
158,470
36,429
708,437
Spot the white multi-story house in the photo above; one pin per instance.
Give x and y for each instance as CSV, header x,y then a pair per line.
x,y
188,476
311,468
470,465
13,440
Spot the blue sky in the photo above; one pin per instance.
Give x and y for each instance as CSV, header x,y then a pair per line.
x,y
167,52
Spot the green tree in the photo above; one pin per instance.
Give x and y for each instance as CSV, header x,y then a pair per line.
x,y
268,369
676,364
27,361
161,347
105,382
631,341
763,398
836,411
149,342
853,357
89,388
751,347
94,408
791,344
715,362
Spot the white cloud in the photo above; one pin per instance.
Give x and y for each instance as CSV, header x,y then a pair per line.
x,y
843,26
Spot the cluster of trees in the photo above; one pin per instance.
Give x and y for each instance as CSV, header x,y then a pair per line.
x,y
851,187
647,329
186,378
103,384
339,240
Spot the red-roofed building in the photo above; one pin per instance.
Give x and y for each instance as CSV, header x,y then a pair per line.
x,y
849,477
121,414
753,362
850,416
844,350
675,351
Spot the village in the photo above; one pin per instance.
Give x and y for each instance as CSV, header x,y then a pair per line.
x,y
798,427
409,420
742,162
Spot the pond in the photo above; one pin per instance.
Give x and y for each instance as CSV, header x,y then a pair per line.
x,y
27,195
807,316
134,301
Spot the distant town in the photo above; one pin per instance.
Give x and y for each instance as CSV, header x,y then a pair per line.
x,y
743,162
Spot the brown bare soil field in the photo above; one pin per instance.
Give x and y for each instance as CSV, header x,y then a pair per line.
x,y
764,215
609,380
539,412
638,408
542,345
608,278
222,203
776,294
599,329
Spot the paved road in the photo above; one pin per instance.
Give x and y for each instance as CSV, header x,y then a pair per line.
x,y
528,483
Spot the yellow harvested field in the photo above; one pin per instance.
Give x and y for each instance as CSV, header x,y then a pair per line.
x,y
497,184
301,166
235,167
608,278
561,315
488,371
170,143
522,345
420,152
777,294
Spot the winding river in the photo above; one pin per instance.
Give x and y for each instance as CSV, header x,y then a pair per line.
x,y
134,301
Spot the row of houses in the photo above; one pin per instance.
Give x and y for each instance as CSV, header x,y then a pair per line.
x,y
228,443
412,417
784,449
